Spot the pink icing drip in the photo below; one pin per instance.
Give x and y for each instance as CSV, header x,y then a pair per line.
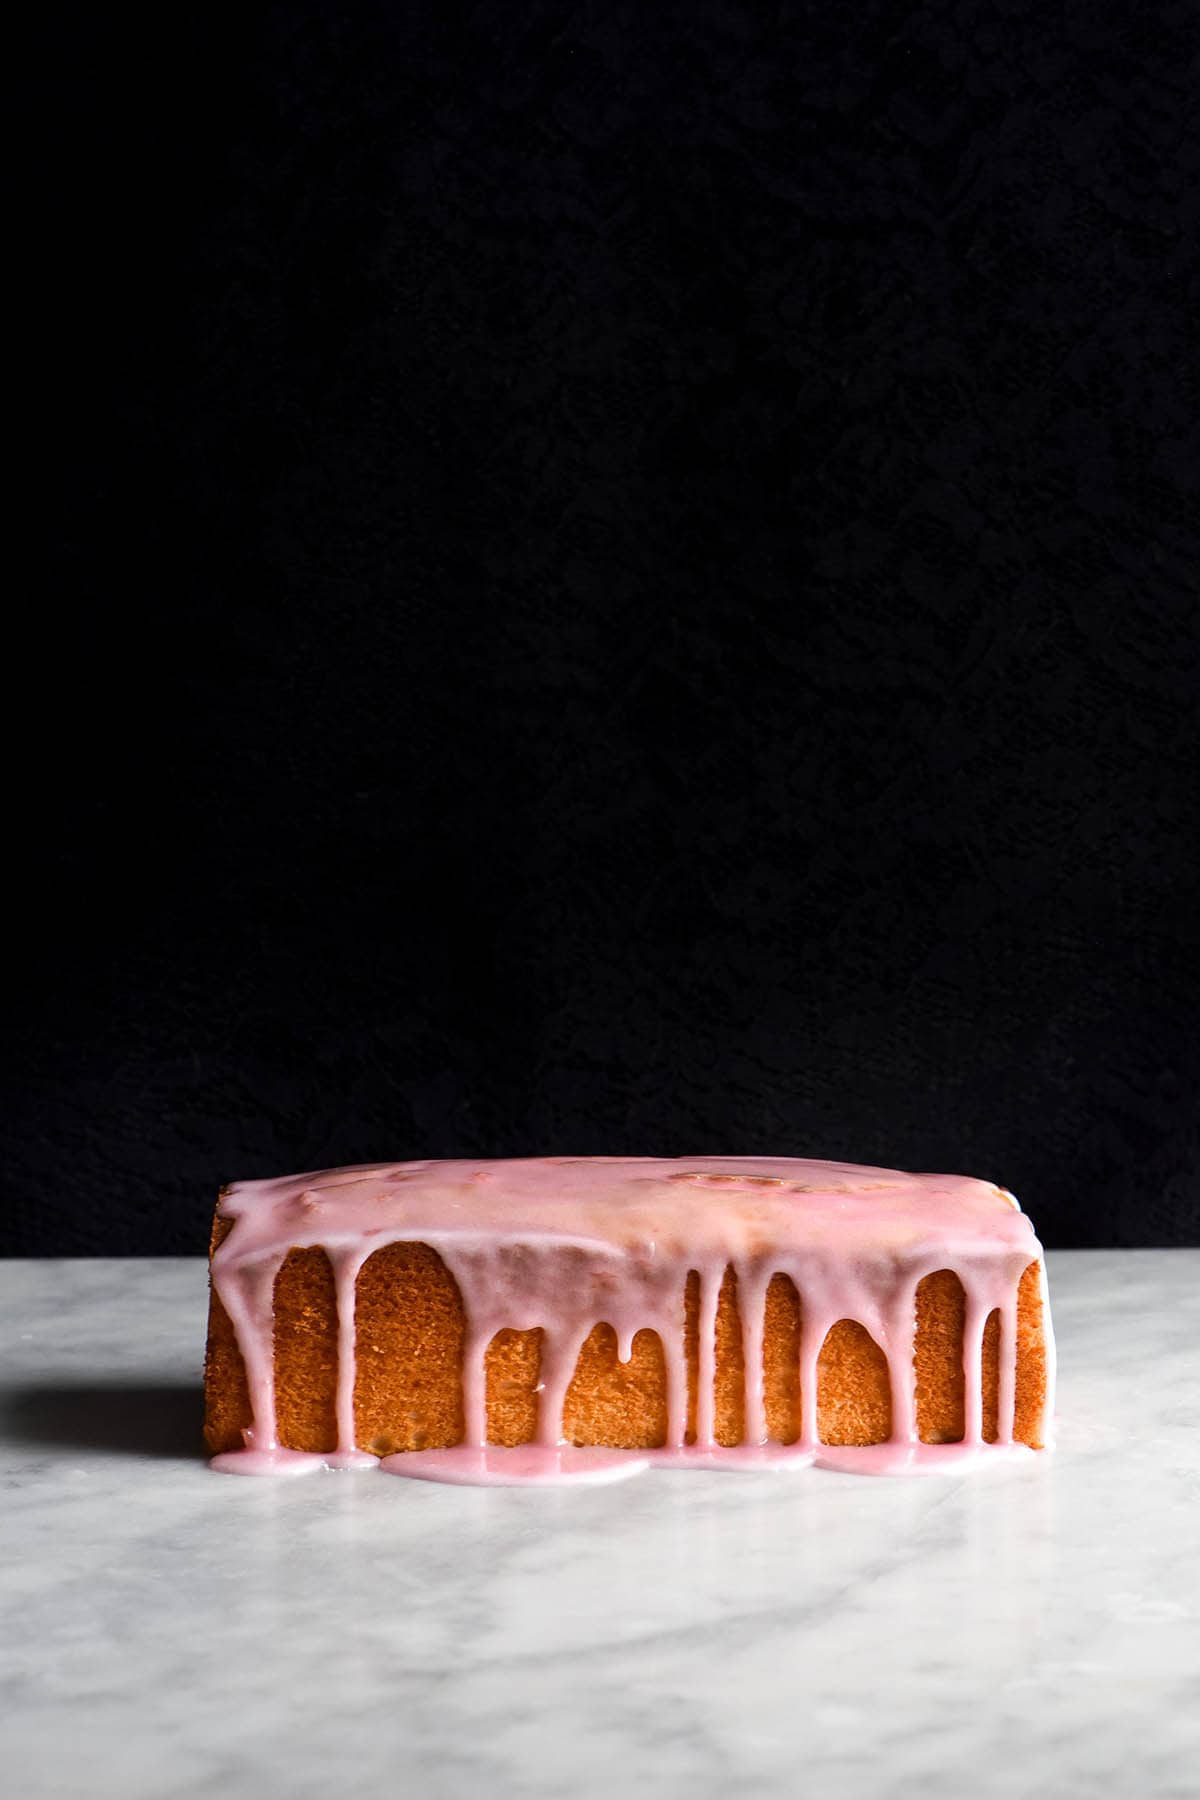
x,y
346,1266
474,1388
753,1301
564,1242
1008,1367
973,1324
899,1333
248,1297
706,1357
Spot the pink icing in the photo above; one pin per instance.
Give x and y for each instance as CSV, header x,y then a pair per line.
x,y
565,1242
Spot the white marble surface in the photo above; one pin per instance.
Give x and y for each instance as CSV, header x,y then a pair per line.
x,y
171,1633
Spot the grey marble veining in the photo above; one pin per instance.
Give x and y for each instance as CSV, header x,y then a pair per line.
x,y
171,1633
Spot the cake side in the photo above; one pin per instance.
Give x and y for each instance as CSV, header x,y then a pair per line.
x,y
414,1344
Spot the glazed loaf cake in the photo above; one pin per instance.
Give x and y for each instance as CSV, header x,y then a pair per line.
x,y
685,1310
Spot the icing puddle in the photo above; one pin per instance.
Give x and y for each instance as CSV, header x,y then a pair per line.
x,y
540,1465
277,1461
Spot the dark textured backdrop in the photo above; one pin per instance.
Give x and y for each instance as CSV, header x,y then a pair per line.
x,y
614,577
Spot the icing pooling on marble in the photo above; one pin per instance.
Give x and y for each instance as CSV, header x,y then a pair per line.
x,y
562,1243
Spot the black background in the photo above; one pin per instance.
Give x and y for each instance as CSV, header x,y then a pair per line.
x,y
608,577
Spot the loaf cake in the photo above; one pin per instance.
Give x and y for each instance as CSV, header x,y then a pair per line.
x,y
584,1316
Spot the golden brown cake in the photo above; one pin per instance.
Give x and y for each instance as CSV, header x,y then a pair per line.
x,y
689,1310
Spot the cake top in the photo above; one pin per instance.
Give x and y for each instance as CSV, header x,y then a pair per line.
x,y
647,1206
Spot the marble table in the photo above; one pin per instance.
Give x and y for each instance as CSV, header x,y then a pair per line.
x,y
171,1633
